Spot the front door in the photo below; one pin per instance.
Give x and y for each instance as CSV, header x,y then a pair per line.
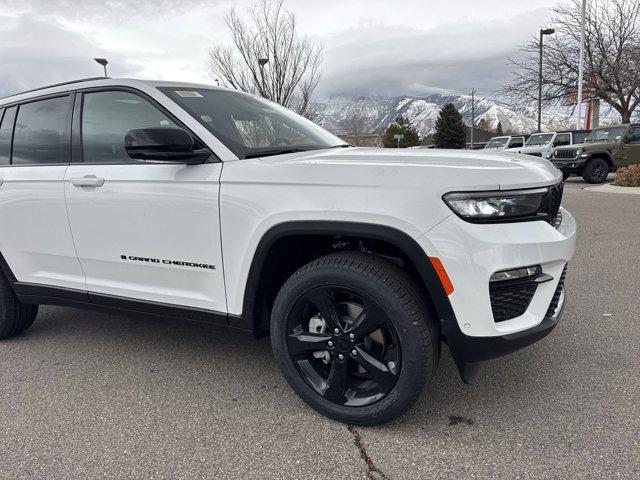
x,y
143,231
631,149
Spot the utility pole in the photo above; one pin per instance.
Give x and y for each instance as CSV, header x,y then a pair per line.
x,y
473,113
581,66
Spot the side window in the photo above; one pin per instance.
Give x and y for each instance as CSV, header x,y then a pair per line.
x,y
516,142
579,137
634,135
42,132
6,129
562,139
107,116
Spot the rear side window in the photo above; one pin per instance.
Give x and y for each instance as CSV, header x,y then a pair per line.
x,y
6,128
579,137
516,142
42,132
106,117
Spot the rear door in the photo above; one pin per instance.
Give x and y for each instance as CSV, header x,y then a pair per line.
x,y
631,147
143,231
35,239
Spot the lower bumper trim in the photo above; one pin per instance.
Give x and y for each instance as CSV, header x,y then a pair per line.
x,y
466,349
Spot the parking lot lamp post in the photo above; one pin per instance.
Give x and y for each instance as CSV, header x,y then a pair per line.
x,y
543,32
262,62
103,62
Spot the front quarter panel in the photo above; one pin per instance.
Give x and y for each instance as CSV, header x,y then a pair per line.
x,y
256,196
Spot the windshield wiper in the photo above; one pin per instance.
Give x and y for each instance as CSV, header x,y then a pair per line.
x,y
281,151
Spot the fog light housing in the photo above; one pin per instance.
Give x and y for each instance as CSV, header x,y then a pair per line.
x,y
522,273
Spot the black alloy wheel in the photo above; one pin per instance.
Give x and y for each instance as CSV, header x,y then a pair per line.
x,y
343,345
354,338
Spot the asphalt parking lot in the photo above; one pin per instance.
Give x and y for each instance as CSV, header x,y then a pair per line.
x,y
87,395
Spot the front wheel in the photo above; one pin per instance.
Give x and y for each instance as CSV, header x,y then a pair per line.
x,y
353,338
595,171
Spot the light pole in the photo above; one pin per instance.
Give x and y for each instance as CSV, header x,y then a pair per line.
x,y
581,65
543,32
103,62
262,62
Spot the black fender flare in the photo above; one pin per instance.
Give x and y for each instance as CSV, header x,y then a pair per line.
x,y
605,154
438,297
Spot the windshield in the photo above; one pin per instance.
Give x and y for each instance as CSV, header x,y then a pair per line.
x,y
539,139
497,142
250,126
608,134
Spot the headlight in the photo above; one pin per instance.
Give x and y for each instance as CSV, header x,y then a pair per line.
x,y
487,207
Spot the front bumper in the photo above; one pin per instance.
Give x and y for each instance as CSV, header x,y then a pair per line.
x,y
572,165
471,253
466,349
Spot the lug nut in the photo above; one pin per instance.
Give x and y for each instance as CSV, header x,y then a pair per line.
x,y
352,336
341,357
336,331
354,352
330,343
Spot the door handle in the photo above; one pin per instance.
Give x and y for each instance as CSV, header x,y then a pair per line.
x,y
87,181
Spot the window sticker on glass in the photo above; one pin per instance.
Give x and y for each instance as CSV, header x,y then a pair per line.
x,y
188,93
206,118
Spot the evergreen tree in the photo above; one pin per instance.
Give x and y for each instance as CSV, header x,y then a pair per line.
x,y
499,129
402,126
450,129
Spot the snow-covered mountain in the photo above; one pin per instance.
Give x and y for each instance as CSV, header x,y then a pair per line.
x,y
344,114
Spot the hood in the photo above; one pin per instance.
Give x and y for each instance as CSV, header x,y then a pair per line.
x,y
444,170
591,146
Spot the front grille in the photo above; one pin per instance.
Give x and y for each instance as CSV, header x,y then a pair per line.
x,y
556,296
550,204
554,201
565,153
510,301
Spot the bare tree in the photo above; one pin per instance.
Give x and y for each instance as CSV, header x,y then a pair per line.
x,y
292,71
612,57
356,122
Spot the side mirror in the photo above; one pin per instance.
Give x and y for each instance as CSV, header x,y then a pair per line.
x,y
164,144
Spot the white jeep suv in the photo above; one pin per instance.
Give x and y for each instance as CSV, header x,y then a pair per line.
x,y
206,204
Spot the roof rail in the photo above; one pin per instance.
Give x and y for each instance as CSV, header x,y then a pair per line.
x,y
91,79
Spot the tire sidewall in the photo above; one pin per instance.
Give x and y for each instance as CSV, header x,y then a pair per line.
x,y
588,169
417,361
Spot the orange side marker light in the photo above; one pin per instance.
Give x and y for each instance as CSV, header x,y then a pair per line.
x,y
442,275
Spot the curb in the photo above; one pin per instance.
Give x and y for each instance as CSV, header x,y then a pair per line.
x,y
609,188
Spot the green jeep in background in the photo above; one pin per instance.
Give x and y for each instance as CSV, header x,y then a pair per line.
x,y
603,151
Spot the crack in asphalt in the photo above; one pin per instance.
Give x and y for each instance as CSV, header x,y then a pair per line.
x,y
373,472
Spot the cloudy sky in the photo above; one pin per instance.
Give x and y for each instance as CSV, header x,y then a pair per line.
x,y
371,46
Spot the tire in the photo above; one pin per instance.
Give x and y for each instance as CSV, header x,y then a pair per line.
x,y
15,317
595,171
391,301
565,175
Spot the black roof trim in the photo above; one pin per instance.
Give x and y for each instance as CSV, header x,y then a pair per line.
x,y
572,131
90,79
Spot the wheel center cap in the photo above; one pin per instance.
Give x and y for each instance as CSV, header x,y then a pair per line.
x,y
342,344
